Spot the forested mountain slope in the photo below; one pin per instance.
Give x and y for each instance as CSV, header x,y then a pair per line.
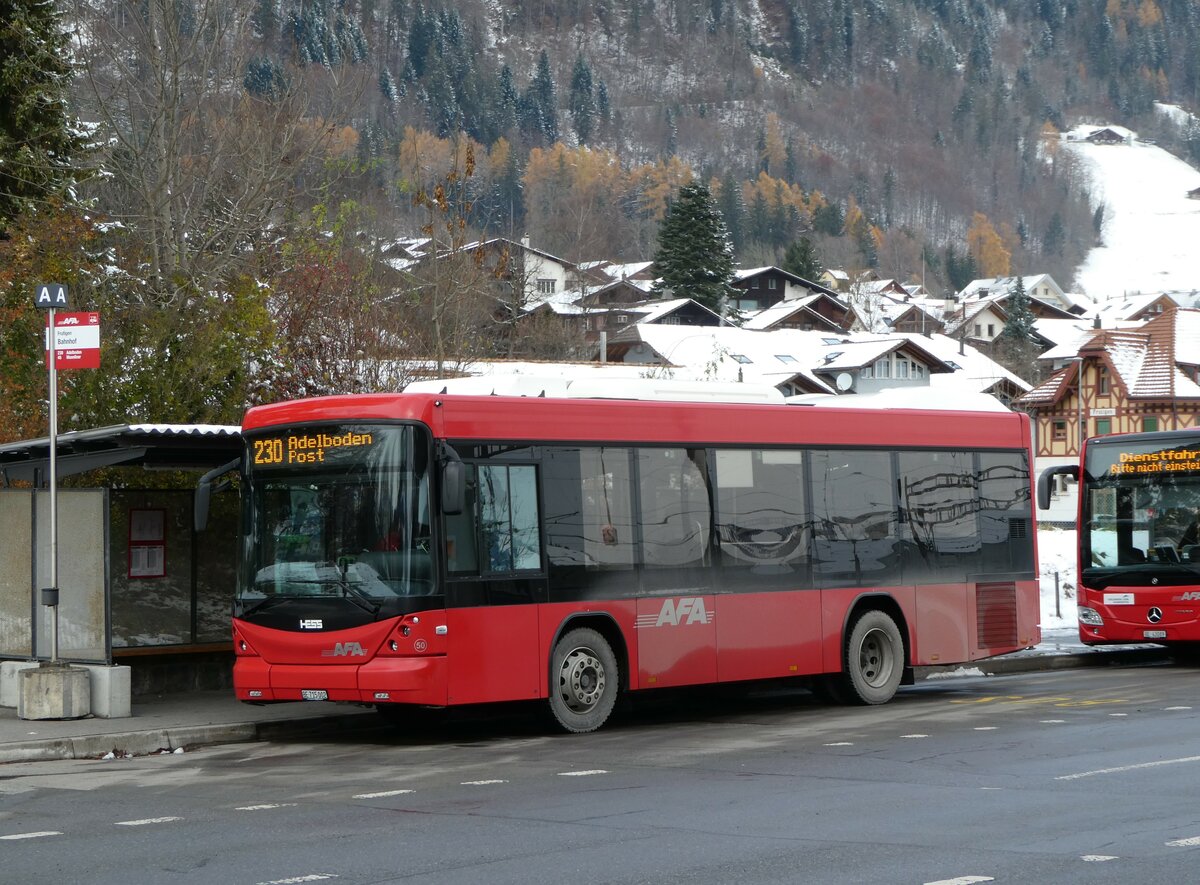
x,y
918,121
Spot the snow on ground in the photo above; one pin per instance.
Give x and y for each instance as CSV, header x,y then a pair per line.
x,y
1056,556
1150,226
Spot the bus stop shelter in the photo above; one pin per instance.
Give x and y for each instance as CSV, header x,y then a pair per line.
x,y
135,578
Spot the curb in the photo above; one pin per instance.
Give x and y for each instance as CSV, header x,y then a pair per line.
x,y
1027,662
148,742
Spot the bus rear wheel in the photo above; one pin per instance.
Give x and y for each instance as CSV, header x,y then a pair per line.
x,y
874,660
584,681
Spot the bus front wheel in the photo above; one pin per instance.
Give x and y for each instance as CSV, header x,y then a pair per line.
x,y
584,681
874,662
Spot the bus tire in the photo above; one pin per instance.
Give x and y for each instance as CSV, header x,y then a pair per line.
x,y
874,659
584,681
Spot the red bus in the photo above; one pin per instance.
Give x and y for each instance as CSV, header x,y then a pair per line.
x,y
1139,549
435,550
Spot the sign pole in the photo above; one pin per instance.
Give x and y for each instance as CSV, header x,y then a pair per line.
x,y
53,605
52,296
55,690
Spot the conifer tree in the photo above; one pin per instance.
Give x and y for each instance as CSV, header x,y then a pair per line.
x,y
694,257
733,210
1016,346
38,144
541,89
801,259
1019,325
582,100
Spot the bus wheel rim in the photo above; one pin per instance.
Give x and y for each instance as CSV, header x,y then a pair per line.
x,y
581,680
875,658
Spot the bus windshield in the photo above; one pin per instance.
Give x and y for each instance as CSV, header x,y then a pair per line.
x,y
1140,513
337,511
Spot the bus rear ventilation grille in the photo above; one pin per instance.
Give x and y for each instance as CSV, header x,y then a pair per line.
x,y
1018,529
996,614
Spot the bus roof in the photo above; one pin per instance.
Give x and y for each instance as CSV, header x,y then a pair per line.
x,y
544,419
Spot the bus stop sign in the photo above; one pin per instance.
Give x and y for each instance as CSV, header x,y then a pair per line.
x,y
76,340
51,296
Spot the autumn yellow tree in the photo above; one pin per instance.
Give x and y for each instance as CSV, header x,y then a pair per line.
x,y
987,247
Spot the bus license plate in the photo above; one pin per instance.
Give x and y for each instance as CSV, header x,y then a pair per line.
x,y
1154,634
319,694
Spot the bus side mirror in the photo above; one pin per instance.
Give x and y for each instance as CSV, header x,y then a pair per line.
x,y
1048,475
204,493
454,477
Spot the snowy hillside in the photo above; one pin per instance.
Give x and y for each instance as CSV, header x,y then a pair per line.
x,y
1150,226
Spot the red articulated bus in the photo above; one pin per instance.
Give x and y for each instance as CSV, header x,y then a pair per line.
x,y
1139,537
439,549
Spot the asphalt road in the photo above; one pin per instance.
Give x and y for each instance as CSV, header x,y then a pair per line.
x,y
1062,776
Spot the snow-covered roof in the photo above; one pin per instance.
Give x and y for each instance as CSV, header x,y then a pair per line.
x,y
1147,360
1000,287
655,311
777,313
173,446
725,353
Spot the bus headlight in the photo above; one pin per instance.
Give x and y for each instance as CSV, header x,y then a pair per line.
x,y
1090,616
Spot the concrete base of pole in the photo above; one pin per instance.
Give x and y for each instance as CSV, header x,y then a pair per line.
x,y
54,691
10,681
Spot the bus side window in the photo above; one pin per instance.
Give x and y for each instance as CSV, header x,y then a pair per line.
x,y
499,530
675,507
508,517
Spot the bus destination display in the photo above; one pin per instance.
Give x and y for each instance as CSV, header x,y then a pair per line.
x,y
307,448
1163,461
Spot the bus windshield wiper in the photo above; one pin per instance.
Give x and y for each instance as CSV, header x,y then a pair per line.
x,y
362,600
349,591
262,604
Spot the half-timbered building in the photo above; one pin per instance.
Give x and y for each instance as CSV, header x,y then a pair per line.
x,y
1122,380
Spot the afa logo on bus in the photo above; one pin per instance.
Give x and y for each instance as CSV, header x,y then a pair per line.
x,y
675,613
344,649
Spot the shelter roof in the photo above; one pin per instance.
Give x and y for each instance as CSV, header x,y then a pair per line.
x,y
166,446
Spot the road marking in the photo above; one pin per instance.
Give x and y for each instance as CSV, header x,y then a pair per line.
x,y
1184,843
1118,714
480,783
1053,721
1023,701
266,807
962,880
296,880
914,736
841,744
1165,708
586,773
977,728
146,821
382,795
1098,858
1121,768
41,835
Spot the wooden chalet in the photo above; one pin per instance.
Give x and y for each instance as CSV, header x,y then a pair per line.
x,y
914,318
815,313
1123,380
762,287
1105,136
